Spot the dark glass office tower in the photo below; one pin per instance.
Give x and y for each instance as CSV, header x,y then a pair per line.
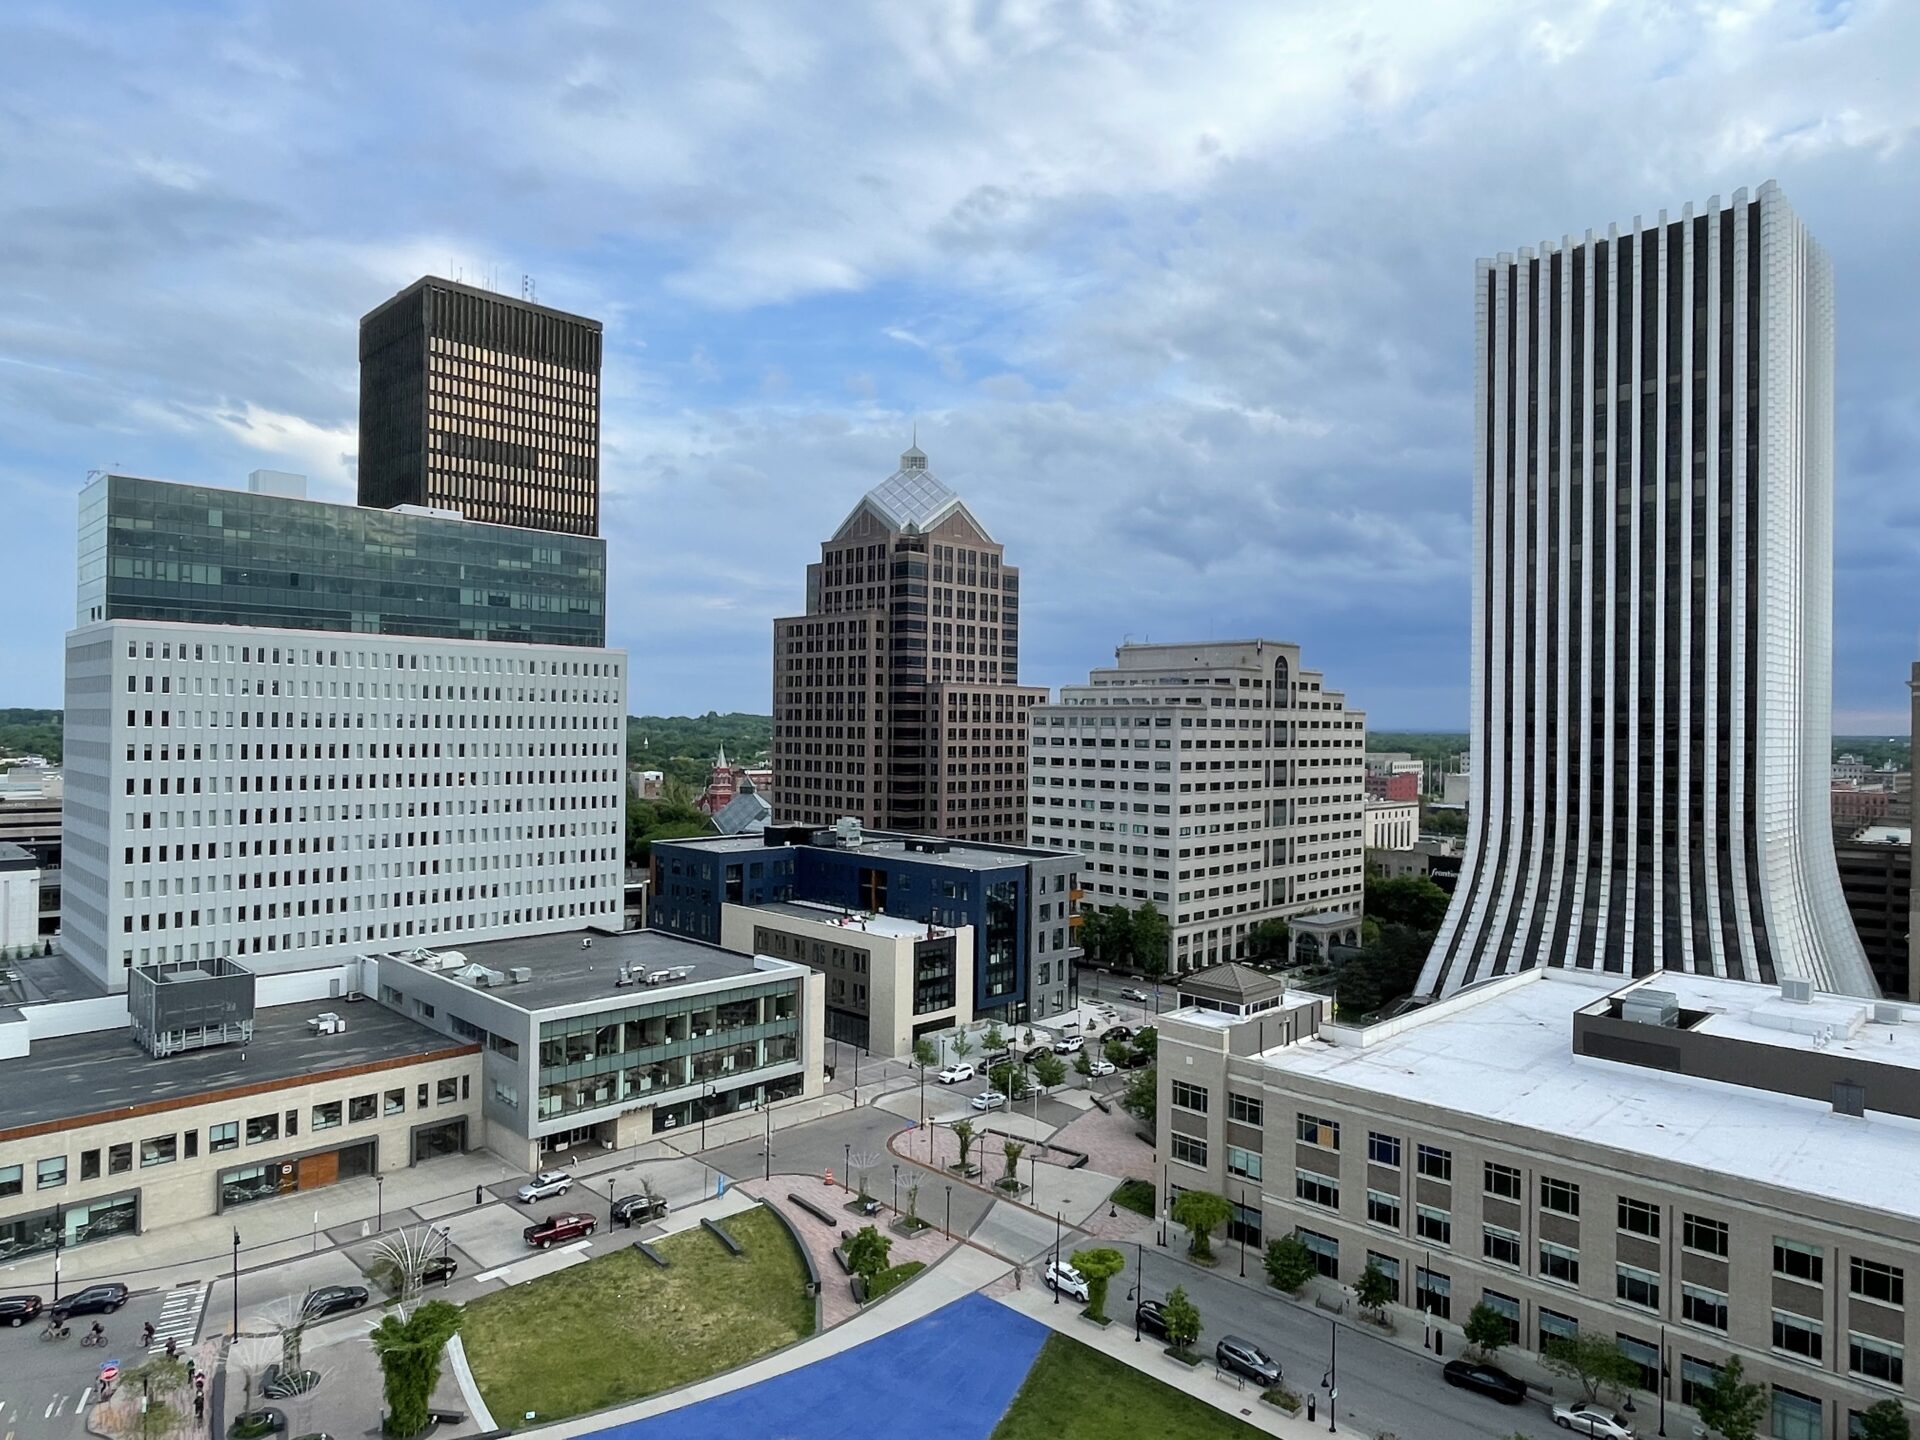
x,y
476,402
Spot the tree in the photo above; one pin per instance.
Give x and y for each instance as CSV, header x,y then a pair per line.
x,y
993,1040
1373,1290
409,1351
1487,1329
1410,900
1012,1150
1049,1070
1183,1320
1268,940
1009,1079
1116,1052
867,1251
1141,1099
1290,1264
1592,1360
1884,1420
1083,1063
924,1055
1146,1041
1202,1212
963,1134
962,1045
1732,1405
1098,1265
1093,933
1150,937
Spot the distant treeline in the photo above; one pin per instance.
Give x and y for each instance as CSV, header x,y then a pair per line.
x,y
31,732
683,746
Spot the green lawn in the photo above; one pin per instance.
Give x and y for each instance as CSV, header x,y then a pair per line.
x,y
1074,1393
619,1327
893,1278
1137,1195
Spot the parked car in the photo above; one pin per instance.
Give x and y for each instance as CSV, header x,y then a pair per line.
x,y
1037,1051
638,1209
1136,1060
314,1435
94,1300
1487,1379
1583,1417
989,1100
439,1271
955,1073
1152,1318
18,1309
1099,1065
1067,1280
567,1226
1070,1044
1242,1357
546,1183
1116,1032
279,1383
1135,994
331,1299
263,1418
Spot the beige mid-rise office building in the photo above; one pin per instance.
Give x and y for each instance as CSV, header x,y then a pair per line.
x,y
1221,782
896,696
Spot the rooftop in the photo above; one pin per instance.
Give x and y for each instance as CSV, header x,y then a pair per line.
x,y
929,850
1503,1052
101,1074
564,972
891,926
911,499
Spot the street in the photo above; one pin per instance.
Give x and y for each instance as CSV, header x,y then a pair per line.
x,y
46,1385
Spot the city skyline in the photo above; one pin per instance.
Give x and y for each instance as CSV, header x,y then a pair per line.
x,y
1232,316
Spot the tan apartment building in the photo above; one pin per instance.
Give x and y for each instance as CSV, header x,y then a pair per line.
x,y
1698,1168
896,696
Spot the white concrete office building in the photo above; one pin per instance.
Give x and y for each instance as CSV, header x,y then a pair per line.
x,y
1652,629
1220,781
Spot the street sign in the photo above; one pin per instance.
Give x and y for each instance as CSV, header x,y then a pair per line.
x,y
109,1372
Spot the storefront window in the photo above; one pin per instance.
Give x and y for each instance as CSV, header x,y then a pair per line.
x,y
51,1173
326,1116
396,1102
160,1150
361,1107
262,1128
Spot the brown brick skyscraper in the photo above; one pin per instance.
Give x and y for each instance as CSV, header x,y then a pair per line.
x,y
896,697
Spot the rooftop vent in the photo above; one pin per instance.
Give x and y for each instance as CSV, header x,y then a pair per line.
x,y
1885,1014
1651,1007
1800,992
521,974
486,978
930,847
847,833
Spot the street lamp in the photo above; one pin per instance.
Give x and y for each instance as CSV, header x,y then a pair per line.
x,y
379,1203
846,1175
613,1184
767,1105
1056,1256
1242,1218
896,1187
1139,1292
949,1210
59,1242
1332,1380
1163,1207
706,1103
236,1282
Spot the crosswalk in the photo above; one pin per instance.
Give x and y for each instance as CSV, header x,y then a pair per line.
x,y
179,1316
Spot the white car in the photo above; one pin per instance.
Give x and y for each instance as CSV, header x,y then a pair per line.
x,y
1138,996
546,1183
1069,1045
955,1073
1067,1280
989,1100
1585,1418
1098,1067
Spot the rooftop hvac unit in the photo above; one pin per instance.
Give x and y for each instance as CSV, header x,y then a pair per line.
x,y
1800,992
1651,1007
488,978
847,833
1885,1014
521,974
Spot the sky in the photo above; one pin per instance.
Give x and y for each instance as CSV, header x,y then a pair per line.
x,y
1179,297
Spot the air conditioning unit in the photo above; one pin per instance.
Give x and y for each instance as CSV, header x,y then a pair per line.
x,y
1885,1014
521,974
1800,992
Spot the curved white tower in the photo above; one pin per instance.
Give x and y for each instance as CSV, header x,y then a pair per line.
x,y
1653,557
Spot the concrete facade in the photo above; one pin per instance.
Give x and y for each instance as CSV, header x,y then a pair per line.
x,y
1391,824
19,901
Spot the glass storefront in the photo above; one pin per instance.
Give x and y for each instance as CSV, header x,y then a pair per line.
x,y
35,1233
244,1184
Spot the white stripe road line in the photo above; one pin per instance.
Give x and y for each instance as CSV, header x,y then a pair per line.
x,y
85,1395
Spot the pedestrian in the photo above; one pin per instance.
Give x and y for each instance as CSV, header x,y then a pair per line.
x,y
173,1346
1018,1271
146,1336
479,1195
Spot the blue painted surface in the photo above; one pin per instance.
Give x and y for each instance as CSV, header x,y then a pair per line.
x,y
953,1372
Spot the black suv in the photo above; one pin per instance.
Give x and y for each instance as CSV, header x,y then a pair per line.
x,y
331,1299
94,1300
1243,1357
1152,1317
1487,1379
18,1309
439,1271
638,1209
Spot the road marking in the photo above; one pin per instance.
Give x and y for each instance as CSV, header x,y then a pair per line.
x,y
85,1395
508,1269
179,1316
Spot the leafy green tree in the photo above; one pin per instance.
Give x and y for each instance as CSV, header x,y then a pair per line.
x,y
1410,900
1098,1265
1141,1098
1083,1063
1436,821
924,1055
1268,940
1290,1264
1010,1079
1116,1052
1150,937
1732,1405
1146,1041
1183,1320
1012,1150
1885,1420
1487,1329
994,1041
1115,934
1373,1290
1202,1212
867,1251
962,1045
409,1349
963,1134
1592,1360
1050,1070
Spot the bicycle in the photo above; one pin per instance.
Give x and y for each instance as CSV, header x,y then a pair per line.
x,y
93,1338
55,1331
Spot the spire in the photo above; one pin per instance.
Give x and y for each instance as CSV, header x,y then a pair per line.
x,y
721,762
913,458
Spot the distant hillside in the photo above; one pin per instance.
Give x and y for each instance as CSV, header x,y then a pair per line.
x,y
31,732
1876,750
683,746
1433,746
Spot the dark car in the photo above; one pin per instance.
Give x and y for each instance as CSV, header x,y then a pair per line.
x,y
569,1226
279,1383
439,1271
94,1300
332,1299
1487,1379
263,1420
638,1209
1152,1318
1116,1032
18,1309
1243,1357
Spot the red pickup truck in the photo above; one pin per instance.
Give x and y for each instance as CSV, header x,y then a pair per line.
x,y
570,1226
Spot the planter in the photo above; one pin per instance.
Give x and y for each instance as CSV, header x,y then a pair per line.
x,y
862,1206
1188,1358
908,1226
1010,1187
1103,1321
965,1172
1281,1398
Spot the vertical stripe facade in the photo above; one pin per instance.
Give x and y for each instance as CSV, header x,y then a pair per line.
x,y
1652,647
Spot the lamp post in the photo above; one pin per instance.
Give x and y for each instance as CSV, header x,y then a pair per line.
x,y
379,1203
949,1210
768,1106
706,1103
1164,1202
59,1243
1056,1255
1242,1219
236,1282
1333,1373
613,1184
846,1175
896,1187
1139,1293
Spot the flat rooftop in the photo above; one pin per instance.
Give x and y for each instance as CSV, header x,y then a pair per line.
x,y
891,926
102,1074
1504,1053
566,973
960,854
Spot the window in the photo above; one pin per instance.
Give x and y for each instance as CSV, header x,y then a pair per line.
x,y
1795,1416
1383,1208
1636,1286
361,1107
1432,1224
446,1092
326,1116
420,1098
1560,1196
1503,1181
1796,1335
11,1180
51,1173
1696,1376
1644,1356
262,1128
1559,1264
1702,1306
1383,1149
1434,1163
395,1102
1432,1292
1507,1307
1312,1130
1555,1327
1709,1237
1799,1260
223,1137
1317,1189
1871,1280
1190,1097
1242,1162
190,1145
1189,1150
1876,1359
1388,1266
1637,1217
89,1164
120,1158
1500,1245
1326,1251
160,1150
1247,1109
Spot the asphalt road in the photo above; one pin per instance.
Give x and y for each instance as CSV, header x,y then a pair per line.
x,y
1382,1386
46,1386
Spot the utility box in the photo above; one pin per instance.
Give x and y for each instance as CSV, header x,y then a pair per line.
x,y
190,1005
